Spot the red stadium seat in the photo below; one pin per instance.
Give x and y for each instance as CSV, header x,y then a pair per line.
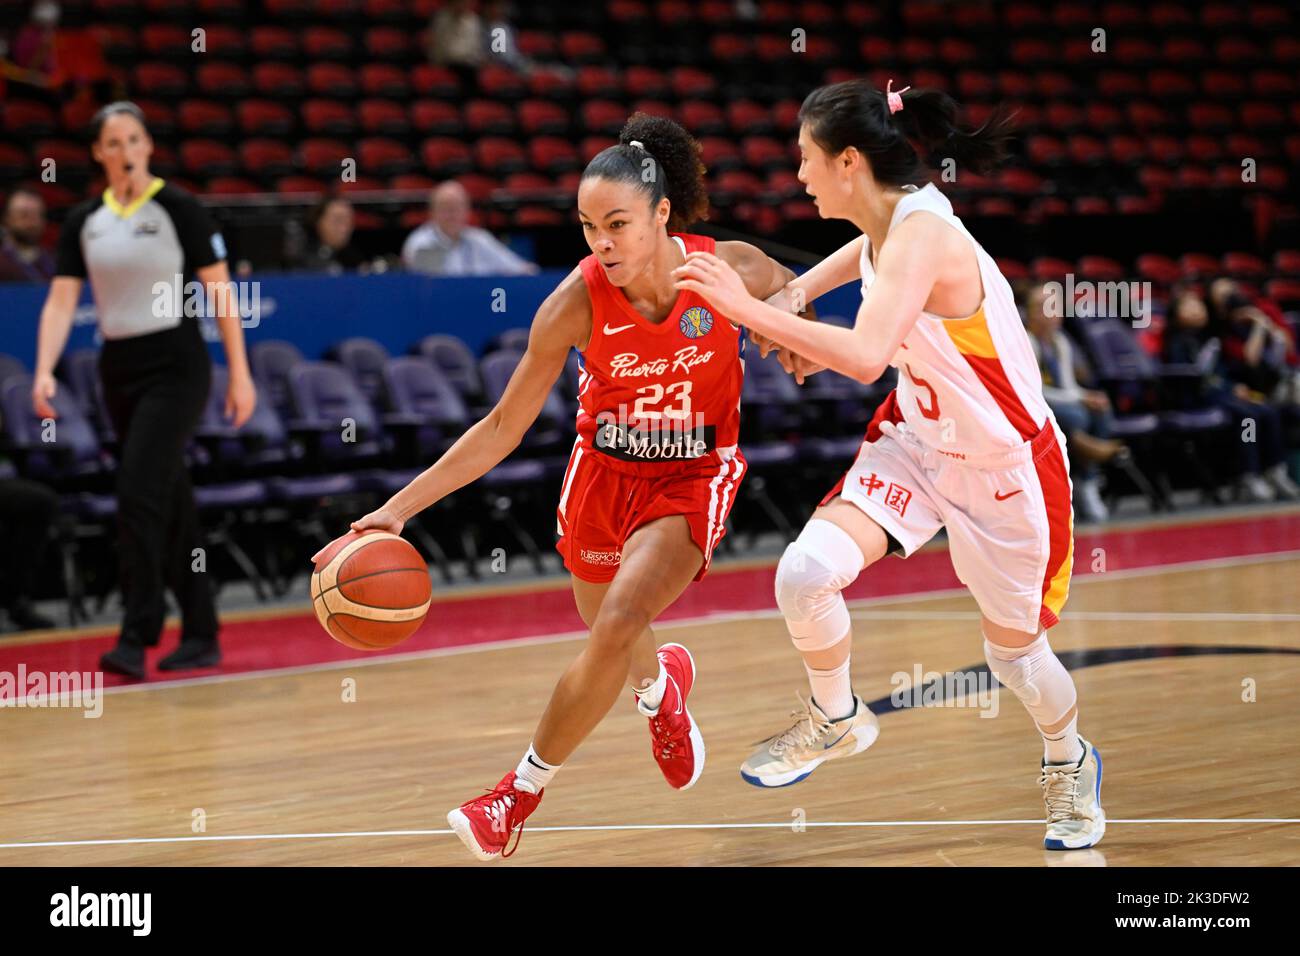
x,y
445,157
263,118
1285,292
266,159
603,116
299,185
1013,270
645,81
388,44
436,118
1126,150
702,118
1158,269
500,82
437,81
204,158
1046,268
688,81
231,186
324,157
1194,178
205,118
730,48
331,79
326,43
764,153
537,45
381,156
1210,117
384,80
279,80
582,48
552,155
222,80
165,40
995,206
26,119
160,117
591,145
628,11
734,184
499,156
1262,117
1045,150
274,43
1101,268
1244,265
327,118
489,118
537,217
1227,85
383,118
550,83
599,82
719,154
1287,261
1198,265
161,79
71,159
542,117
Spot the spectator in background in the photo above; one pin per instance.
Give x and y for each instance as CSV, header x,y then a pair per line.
x,y
34,46
329,246
1190,339
22,227
456,37
1258,348
1084,414
447,245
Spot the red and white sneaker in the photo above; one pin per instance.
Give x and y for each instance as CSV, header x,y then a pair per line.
x,y
675,739
486,823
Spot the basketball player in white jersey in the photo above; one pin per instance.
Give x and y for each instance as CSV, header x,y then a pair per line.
x,y
965,442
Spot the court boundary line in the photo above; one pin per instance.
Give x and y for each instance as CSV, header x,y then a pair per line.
x,y
792,825
709,618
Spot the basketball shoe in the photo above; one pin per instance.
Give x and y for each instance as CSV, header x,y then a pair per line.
x,y
485,824
675,739
1072,793
809,742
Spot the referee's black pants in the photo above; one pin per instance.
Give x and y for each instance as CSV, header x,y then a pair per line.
x,y
156,386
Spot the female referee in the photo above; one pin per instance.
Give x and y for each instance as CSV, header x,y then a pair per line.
x,y
654,470
155,370
965,442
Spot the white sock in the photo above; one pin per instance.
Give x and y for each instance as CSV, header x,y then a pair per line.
x,y
832,691
651,697
1063,746
534,773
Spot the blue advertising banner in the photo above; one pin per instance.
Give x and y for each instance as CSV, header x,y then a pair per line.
x,y
315,312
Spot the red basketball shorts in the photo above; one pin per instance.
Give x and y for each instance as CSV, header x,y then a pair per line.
x,y
601,507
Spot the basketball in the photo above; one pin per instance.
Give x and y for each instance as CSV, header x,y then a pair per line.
x,y
371,591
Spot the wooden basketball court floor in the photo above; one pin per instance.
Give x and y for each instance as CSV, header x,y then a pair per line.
x,y
283,771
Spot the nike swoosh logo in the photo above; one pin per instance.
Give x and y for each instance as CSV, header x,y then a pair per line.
x,y
621,328
837,739
679,694
1001,497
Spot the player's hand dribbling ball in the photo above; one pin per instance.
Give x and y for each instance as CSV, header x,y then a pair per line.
x,y
370,590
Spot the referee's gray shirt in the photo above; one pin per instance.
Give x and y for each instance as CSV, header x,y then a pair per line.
x,y
162,236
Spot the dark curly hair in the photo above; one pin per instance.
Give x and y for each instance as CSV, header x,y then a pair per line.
x,y
667,163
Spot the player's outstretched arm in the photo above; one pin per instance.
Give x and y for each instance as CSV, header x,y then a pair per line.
x,y
767,280
562,322
905,275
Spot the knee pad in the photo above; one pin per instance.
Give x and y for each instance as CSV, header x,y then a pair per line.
x,y
814,569
1036,676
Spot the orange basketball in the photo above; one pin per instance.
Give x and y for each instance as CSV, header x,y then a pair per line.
x,y
371,590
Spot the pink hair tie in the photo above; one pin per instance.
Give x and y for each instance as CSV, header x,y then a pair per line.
x,y
895,100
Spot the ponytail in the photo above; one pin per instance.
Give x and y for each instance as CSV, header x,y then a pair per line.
x,y
661,159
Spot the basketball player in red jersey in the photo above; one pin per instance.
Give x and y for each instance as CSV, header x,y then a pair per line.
x,y
965,442
655,467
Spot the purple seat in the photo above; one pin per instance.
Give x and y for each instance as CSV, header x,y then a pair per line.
x,y
261,443
81,369
515,340
549,431
771,401
73,450
457,363
270,362
10,366
428,413
324,397
365,359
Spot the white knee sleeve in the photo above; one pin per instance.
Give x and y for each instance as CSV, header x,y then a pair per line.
x,y
815,568
1036,676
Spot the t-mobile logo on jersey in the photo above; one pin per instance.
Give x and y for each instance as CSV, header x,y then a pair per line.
x,y
653,439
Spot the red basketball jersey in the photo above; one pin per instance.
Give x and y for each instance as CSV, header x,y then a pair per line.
x,y
654,394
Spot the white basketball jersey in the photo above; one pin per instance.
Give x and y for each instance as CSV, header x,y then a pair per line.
x,y
967,387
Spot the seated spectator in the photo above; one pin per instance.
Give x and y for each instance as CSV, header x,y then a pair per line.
x,y
447,245
1084,414
22,227
456,38
1189,339
329,246
1258,344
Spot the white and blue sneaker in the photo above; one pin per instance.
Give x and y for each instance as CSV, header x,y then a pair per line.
x,y
1072,793
809,742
